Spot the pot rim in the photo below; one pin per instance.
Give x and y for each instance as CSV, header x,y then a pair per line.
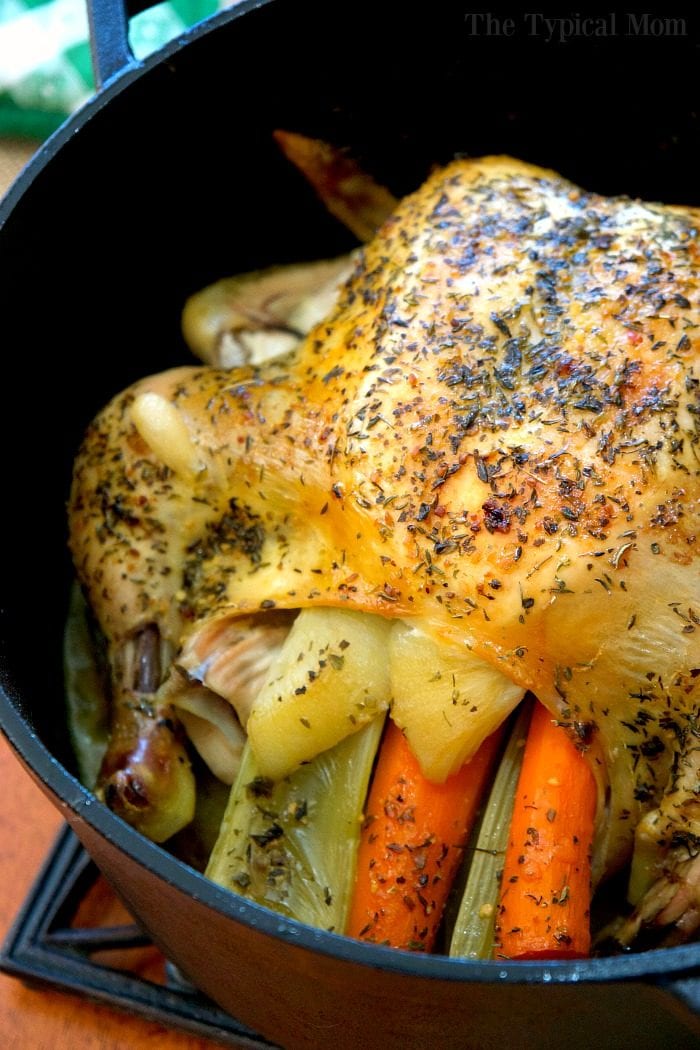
x,y
133,71
69,793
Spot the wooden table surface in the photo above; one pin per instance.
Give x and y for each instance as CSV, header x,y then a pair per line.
x,y
45,1019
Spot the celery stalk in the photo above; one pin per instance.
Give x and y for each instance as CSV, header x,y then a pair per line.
x,y
292,844
473,934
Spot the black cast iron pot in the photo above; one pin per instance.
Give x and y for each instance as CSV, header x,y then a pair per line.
x,y
168,180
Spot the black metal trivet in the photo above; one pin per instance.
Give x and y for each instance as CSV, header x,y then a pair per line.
x,y
45,947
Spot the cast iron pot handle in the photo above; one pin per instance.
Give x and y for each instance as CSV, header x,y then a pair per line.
x,y
109,36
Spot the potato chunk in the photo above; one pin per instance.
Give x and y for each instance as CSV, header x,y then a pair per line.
x,y
330,678
446,700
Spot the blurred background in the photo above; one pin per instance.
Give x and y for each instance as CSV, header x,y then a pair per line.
x,y
45,67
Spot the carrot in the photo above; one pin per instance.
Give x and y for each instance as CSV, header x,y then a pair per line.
x,y
412,844
545,898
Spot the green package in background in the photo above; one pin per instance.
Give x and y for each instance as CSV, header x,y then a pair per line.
x,y
45,67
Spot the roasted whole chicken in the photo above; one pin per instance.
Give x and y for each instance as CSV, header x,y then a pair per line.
x,y
491,444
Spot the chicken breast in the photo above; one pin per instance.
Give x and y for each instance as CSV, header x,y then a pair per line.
x,y
493,435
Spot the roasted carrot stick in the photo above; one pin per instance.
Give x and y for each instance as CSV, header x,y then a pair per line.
x,y
545,899
412,844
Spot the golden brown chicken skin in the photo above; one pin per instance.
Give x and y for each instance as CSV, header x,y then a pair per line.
x,y
495,433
